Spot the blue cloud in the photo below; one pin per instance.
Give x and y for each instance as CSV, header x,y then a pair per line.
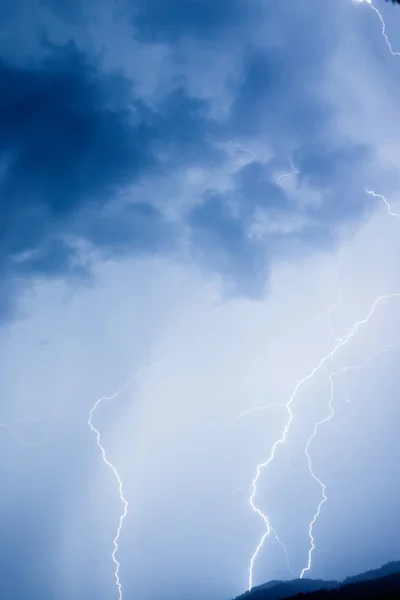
x,y
61,144
71,137
155,20
135,229
257,187
221,241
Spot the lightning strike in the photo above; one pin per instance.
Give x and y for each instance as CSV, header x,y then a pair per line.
x,y
314,476
115,472
341,371
338,345
279,541
389,208
284,175
244,150
383,31
330,416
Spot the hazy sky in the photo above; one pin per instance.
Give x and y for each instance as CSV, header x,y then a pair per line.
x,y
183,203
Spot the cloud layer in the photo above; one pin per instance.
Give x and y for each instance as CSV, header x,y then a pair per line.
x,y
184,183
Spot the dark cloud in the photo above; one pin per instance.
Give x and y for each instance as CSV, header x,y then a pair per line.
x,y
221,241
61,145
159,21
71,138
222,223
272,95
72,11
275,97
337,171
256,186
135,228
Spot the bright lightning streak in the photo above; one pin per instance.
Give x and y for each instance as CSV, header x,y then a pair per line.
x,y
279,541
384,34
339,344
243,414
341,371
389,208
115,473
330,416
284,175
244,150
119,481
314,476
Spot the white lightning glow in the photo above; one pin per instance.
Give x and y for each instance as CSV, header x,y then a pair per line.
x,y
115,472
341,371
338,345
384,34
389,208
279,541
284,175
314,476
328,418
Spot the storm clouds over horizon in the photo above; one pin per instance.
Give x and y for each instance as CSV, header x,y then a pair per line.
x,y
183,202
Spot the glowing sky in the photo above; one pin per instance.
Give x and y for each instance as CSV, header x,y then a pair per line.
x,y
184,215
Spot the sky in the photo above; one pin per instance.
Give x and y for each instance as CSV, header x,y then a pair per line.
x,y
185,220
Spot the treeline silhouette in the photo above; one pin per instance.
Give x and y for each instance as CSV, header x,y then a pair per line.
x,y
378,583
384,588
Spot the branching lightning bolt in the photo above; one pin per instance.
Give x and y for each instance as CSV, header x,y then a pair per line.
x,y
330,416
339,344
115,473
341,371
384,34
314,476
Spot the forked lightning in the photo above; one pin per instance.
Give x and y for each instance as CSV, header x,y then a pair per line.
x,y
338,344
115,472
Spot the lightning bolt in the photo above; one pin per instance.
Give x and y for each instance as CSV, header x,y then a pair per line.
x,y
243,150
338,345
317,426
279,541
114,471
243,414
314,476
287,175
389,208
384,34
341,371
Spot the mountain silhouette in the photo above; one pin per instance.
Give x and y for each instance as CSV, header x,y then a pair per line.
x,y
383,588
385,580
390,568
